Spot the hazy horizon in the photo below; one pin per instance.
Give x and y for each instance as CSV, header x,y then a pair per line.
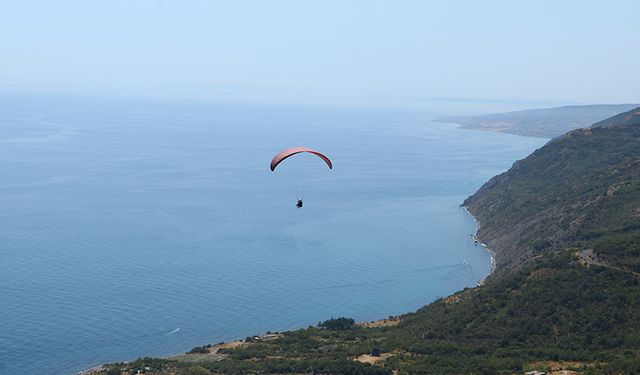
x,y
399,54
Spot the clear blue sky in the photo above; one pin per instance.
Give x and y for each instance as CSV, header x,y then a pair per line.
x,y
325,51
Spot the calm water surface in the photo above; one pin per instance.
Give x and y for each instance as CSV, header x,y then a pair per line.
x,y
147,227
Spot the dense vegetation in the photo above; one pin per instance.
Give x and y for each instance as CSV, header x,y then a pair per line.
x,y
553,310
581,190
340,324
565,224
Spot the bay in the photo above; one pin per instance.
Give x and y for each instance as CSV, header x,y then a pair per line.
x,y
146,227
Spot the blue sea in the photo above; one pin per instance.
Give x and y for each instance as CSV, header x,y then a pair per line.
x,y
133,227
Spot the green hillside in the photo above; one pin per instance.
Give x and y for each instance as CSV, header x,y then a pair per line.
x,y
581,190
565,226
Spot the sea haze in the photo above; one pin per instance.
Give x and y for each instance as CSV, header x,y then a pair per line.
x,y
132,228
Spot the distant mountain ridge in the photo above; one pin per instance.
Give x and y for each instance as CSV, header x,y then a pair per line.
x,y
545,123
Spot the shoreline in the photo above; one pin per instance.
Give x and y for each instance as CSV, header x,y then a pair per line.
x,y
213,351
389,321
492,254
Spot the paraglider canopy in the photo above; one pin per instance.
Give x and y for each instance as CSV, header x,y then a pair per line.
x,y
296,150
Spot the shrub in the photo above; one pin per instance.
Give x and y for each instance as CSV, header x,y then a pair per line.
x,y
339,324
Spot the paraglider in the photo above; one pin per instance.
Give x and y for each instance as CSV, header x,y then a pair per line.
x,y
296,150
284,154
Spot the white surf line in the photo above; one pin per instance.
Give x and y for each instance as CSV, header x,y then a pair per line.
x,y
475,238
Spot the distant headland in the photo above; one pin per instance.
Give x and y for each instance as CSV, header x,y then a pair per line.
x,y
545,122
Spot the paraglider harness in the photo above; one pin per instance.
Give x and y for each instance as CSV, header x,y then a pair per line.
x,y
299,204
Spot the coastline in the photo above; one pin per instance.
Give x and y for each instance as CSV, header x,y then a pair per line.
x,y
213,352
389,321
492,254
